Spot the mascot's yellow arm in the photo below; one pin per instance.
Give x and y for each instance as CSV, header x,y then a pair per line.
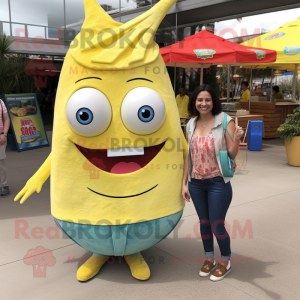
x,y
35,183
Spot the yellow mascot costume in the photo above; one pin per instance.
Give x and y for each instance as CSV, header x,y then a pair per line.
x,y
118,150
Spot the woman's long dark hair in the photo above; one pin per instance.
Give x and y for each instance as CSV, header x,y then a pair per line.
x,y
217,108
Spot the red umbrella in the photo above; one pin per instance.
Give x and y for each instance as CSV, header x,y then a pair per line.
x,y
206,48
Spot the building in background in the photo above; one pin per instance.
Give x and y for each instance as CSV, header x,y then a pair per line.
x,y
48,27
106,7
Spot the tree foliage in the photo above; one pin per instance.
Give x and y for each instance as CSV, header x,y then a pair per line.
x,y
5,43
13,79
209,77
286,84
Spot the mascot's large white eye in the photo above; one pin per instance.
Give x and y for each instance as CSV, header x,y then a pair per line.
x,y
89,112
143,111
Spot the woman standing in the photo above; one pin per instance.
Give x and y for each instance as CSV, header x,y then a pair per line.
x,y
210,191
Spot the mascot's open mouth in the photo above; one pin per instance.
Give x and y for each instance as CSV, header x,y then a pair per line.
x,y
121,161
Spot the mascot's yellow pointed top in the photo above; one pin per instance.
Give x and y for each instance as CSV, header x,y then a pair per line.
x,y
105,43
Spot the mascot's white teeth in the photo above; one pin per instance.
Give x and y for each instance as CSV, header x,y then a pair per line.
x,y
125,152
122,160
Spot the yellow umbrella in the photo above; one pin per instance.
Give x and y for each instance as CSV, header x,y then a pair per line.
x,y
285,40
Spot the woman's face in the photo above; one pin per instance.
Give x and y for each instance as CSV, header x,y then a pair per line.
x,y
204,103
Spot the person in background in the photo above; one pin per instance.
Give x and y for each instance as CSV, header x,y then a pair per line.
x,y
277,95
47,104
41,99
182,101
223,93
53,97
246,93
4,126
230,90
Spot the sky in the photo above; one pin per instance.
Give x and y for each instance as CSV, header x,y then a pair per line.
x,y
255,24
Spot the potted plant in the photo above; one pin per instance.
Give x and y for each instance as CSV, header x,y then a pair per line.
x,y
290,132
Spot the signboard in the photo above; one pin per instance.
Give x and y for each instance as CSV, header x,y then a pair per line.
x,y
26,121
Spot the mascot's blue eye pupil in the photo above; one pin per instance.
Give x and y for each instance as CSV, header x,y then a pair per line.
x,y
84,116
146,113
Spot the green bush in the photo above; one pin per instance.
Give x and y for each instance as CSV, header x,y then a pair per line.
x,y
291,126
13,79
5,43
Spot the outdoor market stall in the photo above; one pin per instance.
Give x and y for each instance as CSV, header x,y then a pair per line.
x,y
205,49
286,42
274,114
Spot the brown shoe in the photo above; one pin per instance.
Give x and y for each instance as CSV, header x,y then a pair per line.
x,y
207,268
220,272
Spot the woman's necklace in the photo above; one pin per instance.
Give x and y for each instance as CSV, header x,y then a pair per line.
x,y
204,125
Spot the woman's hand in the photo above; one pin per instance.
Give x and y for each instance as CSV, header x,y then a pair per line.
x,y
238,133
185,194
2,139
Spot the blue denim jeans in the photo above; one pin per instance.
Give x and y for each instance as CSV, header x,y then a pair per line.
x,y
212,198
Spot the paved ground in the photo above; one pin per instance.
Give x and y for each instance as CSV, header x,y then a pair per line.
x,y
265,263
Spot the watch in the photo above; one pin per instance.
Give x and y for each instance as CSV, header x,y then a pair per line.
x,y
5,134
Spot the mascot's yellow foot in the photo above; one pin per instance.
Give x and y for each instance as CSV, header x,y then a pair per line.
x,y
91,267
138,267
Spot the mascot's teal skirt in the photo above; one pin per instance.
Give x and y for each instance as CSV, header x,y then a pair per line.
x,y
120,240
